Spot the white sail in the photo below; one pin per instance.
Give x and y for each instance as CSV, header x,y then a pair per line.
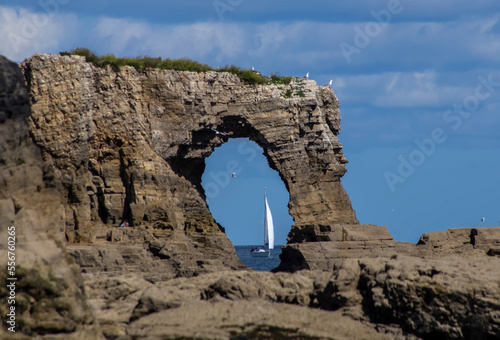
x,y
268,227
268,232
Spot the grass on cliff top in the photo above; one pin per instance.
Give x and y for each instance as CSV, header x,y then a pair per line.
x,y
184,64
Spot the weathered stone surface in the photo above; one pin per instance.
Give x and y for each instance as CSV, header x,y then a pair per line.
x,y
102,146
131,145
322,246
402,298
465,241
50,300
231,305
155,259
339,233
453,297
249,320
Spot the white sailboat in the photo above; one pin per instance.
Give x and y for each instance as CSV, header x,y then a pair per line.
x,y
268,232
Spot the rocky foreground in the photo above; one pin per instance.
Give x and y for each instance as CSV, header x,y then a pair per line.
x,y
83,148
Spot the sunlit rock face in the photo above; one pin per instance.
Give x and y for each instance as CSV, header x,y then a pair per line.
x,y
41,287
131,145
83,149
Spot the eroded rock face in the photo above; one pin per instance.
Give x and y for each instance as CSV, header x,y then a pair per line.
x,y
101,146
132,144
49,290
402,298
462,241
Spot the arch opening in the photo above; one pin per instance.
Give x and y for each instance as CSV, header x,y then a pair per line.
x,y
233,181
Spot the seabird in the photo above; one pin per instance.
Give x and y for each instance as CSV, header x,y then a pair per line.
x,y
483,219
253,69
307,75
233,175
331,82
218,132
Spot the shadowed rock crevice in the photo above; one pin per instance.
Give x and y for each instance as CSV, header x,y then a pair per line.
x,y
128,183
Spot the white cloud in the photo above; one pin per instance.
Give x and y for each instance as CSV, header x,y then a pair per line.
x,y
416,89
24,32
338,83
288,47
404,90
402,80
197,40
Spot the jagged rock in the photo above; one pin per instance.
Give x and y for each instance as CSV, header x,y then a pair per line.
x,y
131,144
249,320
466,241
239,305
452,298
100,146
50,300
403,298
114,299
322,246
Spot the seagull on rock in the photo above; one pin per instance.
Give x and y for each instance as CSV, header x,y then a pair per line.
x,y
307,75
331,82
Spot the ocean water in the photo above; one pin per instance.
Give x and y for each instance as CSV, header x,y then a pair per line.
x,y
259,263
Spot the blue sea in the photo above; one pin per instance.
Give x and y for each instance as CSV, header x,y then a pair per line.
x,y
259,263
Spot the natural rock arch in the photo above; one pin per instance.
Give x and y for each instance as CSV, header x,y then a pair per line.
x,y
234,180
131,145
134,129
95,147
298,136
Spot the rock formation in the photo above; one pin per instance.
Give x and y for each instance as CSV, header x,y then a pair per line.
x,y
403,296
122,134
50,296
131,145
84,148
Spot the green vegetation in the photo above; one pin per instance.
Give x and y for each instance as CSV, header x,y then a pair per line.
x,y
296,90
248,76
276,78
184,64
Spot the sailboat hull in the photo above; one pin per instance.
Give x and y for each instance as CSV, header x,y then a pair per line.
x,y
265,253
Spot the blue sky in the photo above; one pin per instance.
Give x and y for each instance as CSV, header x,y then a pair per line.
x,y
418,84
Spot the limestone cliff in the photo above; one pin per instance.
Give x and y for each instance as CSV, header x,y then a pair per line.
x,y
49,289
83,148
131,145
